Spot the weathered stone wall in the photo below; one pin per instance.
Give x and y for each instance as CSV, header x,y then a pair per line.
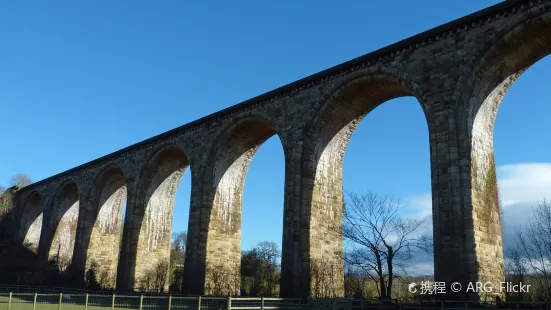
x,y
104,247
458,72
64,222
156,227
230,159
31,223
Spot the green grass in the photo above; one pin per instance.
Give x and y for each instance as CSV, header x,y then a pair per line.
x,y
21,301
51,302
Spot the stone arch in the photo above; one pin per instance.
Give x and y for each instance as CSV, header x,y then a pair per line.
x,y
102,236
64,219
326,140
155,195
31,222
505,59
227,167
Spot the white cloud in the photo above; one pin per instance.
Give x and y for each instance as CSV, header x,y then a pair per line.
x,y
526,183
521,187
421,269
421,204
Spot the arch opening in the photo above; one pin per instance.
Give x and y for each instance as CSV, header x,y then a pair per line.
x,y
386,168
517,51
104,243
65,218
230,160
262,221
158,187
326,142
31,223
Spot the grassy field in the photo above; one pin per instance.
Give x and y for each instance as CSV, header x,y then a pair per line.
x,y
97,302
51,302
22,301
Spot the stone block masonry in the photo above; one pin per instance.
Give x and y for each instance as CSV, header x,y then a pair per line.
x,y
458,72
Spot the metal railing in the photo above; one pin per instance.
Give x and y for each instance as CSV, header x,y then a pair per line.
x,y
61,301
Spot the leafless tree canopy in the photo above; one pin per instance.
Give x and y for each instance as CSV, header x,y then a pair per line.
x,y
222,280
516,269
6,202
534,244
380,239
260,269
155,279
20,180
179,241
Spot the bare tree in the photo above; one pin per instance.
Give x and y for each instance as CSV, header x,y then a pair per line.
x,y
6,197
222,280
380,239
268,252
353,283
178,249
20,180
155,279
516,267
260,266
535,245
179,241
5,202
161,275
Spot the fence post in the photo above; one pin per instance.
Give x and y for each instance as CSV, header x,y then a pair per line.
x,y
442,306
466,307
34,302
60,300
169,301
229,302
86,302
9,302
141,302
199,303
262,303
113,303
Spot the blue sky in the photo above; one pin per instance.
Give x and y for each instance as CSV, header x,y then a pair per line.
x,y
81,79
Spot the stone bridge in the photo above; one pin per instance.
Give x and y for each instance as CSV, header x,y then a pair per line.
x,y
458,72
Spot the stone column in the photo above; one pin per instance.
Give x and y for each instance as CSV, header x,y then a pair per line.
x,y
85,224
197,233
213,252
294,258
129,242
467,233
311,261
46,234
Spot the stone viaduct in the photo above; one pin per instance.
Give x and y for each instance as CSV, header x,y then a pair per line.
x,y
458,72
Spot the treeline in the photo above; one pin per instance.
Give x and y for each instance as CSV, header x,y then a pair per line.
x,y
16,182
380,246
528,262
260,269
